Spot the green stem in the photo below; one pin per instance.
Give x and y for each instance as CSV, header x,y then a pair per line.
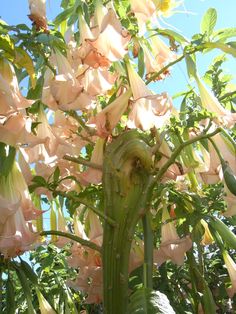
x,y
82,161
157,74
227,95
148,251
73,237
86,203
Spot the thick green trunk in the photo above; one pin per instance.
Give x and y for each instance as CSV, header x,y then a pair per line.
x,y
127,185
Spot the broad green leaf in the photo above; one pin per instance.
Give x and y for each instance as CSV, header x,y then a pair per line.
x,y
23,60
63,16
208,22
146,301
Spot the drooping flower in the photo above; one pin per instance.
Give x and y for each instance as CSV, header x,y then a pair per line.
x,y
62,226
211,103
108,118
162,53
16,130
65,88
44,306
38,13
89,261
98,81
136,254
151,64
143,11
92,175
15,190
231,267
11,99
16,235
148,110
172,246
214,173
111,28
207,236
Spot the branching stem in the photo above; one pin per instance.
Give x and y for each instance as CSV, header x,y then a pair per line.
x,y
73,237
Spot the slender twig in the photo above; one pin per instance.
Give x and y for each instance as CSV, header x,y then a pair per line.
x,y
73,237
178,150
86,203
157,74
74,115
82,161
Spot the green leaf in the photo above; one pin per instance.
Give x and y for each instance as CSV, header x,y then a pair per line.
x,y
7,158
223,34
191,66
26,288
141,65
39,180
63,16
23,60
6,44
227,48
56,174
146,301
208,22
29,272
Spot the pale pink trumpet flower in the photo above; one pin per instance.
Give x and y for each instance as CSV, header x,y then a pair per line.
x,y
148,110
16,233
65,88
214,175
172,246
16,236
98,81
231,267
15,130
11,99
92,175
143,11
162,53
111,27
106,120
211,103
38,13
